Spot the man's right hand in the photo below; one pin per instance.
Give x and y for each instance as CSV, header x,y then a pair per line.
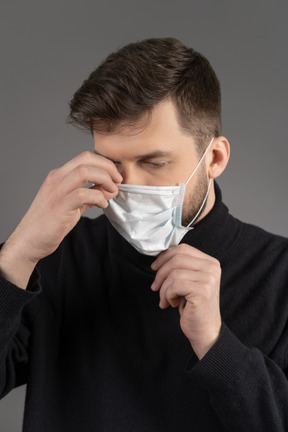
x,y
56,209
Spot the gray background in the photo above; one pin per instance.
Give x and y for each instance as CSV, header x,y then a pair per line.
x,y
49,48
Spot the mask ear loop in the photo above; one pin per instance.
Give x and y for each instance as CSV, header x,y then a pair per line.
x,y
202,205
203,156
210,181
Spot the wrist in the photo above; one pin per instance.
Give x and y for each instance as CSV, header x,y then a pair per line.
x,y
202,346
15,265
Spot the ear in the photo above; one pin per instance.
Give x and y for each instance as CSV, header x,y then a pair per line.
x,y
218,157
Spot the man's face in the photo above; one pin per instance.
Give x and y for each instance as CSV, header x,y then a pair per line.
x,y
157,153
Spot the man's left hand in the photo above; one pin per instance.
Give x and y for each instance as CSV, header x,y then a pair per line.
x,y
190,280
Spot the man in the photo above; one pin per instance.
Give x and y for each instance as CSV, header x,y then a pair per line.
x,y
85,304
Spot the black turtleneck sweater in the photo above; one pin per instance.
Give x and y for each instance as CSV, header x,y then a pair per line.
x,y
99,355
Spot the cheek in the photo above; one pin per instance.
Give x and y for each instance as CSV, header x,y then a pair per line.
x,y
192,190
165,176
195,193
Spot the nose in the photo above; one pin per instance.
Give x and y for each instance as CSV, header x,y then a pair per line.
x,y
131,175
128,177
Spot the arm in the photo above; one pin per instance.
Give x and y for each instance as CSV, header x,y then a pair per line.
x,y
15,331
55,210
248,391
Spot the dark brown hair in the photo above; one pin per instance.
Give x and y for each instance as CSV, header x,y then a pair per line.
x,y
131,81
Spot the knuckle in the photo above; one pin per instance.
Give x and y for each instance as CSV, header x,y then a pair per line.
x,y
215,261
210,279
173,275
99,197
215,266
82,172
174,284
177,260
206,289
183,247
169,286
86,155
161,273
52,175
105,177
80,194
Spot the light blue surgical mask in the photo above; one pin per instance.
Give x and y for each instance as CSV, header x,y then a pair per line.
x,y
150,217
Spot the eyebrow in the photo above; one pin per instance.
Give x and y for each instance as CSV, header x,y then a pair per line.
x,y
155,154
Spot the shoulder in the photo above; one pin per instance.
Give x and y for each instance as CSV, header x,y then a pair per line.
x,y
261,238
258,248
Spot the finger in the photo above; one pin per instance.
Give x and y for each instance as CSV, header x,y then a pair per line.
x,y
173,291
194,286
179,261
107,195
182,304
186,288
90,159
180,283
174,250
82,175
84,197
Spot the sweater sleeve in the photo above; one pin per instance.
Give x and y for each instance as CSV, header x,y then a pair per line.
x,y
14,332
248,391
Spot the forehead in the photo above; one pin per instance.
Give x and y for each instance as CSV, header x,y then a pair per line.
x,y
160,132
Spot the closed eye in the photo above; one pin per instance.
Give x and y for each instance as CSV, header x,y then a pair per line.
x,y
157,164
